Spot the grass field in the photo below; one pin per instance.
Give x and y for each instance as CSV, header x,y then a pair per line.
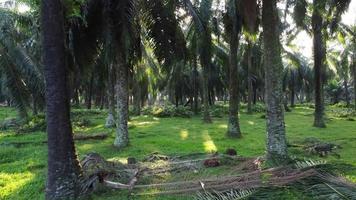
x,y
23,167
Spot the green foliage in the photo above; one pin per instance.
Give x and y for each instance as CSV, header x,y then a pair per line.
x,y
23,168
82,122
167,110
259,108
33,124
342,112
219,110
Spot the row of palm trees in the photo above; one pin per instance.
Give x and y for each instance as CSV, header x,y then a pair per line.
x,y
107,45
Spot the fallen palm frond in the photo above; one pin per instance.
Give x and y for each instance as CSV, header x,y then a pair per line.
x,y
245,179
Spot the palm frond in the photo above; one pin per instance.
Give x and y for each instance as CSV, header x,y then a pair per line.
x,y
337,8
162,27
227,195
299,14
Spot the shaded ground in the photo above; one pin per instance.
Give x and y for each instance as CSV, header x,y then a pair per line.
x,y
23,168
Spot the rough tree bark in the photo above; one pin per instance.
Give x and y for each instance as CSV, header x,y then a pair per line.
x,y
319,58
206,114
249,79
136,97
354,72
347,94
233,127
195,85
292,92
122,88
276,136
110,120
63,166
90,91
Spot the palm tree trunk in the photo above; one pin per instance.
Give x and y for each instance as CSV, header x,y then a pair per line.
x,y
233,128
206,114
317,23
292,90
110,120
354,74
285,102
249,79
90,91
137,98
34,105
254,94
122,90
276,135
347,99
195,84
63,166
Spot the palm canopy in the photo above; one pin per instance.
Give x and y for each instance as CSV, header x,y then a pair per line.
x,y
21,75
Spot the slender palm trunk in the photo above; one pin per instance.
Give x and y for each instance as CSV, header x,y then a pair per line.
x,y
354,75
233,128
254,94
354,87
292,93
317,23
63,166
110,120
285,102
249,79
206,114
347,99
122,90
34,105
276,135
90,91
137,98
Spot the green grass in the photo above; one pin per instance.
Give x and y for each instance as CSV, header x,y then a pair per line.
x,y
23,168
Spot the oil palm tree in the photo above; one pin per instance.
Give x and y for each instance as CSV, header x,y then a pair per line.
x,y
233,26
63,166
276,134
239,13
324,14
115,28
201,17
21,75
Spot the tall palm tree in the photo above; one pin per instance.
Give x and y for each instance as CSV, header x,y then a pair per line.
x,y
324,14
115,28
233,27
276,134
20,74
63,166
239,13
319,61
201,18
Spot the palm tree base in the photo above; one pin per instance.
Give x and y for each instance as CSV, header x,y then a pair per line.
x,y
274,159
319,124
110,121
233,134
207,119
121,142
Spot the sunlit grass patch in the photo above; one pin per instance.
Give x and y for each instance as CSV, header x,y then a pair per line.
x,y
10,183
168,136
